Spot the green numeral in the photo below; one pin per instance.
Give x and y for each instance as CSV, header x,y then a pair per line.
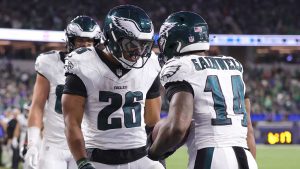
x,y
213,85
116,103
131,109
58,91
238,98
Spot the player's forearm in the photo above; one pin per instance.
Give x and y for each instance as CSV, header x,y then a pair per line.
x,y
73,109
250,134
75,142
152,111
35,118
169,136
251,142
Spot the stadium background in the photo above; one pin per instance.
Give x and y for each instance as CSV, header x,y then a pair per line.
x,y
263,35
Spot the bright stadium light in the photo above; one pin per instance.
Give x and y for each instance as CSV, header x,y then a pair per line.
x,y
215,39
32,35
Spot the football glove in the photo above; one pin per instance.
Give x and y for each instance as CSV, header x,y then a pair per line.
x,y
34,141
84,164
32,157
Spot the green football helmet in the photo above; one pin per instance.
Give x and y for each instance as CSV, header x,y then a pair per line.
x,y
182,33
84,27
129,35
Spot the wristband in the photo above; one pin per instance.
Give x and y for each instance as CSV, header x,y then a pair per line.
x,y
34,136
82,162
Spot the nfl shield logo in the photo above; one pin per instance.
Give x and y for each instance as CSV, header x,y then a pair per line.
x,y
119,72
198,29
191,39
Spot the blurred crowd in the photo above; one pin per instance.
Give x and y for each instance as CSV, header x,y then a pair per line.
x,y
15,86
224,17
273,90
15,92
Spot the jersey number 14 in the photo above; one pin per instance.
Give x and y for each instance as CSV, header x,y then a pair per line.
x,y
213,85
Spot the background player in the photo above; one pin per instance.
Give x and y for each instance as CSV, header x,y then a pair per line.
x,y
206,96
46,101
108,92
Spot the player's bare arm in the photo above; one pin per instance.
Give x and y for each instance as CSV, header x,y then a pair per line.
x,y
39,98
152,111
35,119
250,133
73,109
153,104
174,128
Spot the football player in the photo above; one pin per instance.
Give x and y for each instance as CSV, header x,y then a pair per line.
x,y
46,102
206,95
113,93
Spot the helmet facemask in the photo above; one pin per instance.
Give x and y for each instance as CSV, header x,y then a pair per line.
x,y
134,50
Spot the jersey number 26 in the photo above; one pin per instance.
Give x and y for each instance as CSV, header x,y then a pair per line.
x,y
131,109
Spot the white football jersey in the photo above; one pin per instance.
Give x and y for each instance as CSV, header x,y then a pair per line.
x,y
51,66
219,117
114,110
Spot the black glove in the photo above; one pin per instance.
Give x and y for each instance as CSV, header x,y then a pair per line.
x,y
84,164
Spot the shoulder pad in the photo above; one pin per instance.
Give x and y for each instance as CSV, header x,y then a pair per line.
x,y
46,60
74,58
174,70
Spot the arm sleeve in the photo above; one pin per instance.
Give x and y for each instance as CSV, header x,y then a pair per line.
x,y
154,90
180,86
74,85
